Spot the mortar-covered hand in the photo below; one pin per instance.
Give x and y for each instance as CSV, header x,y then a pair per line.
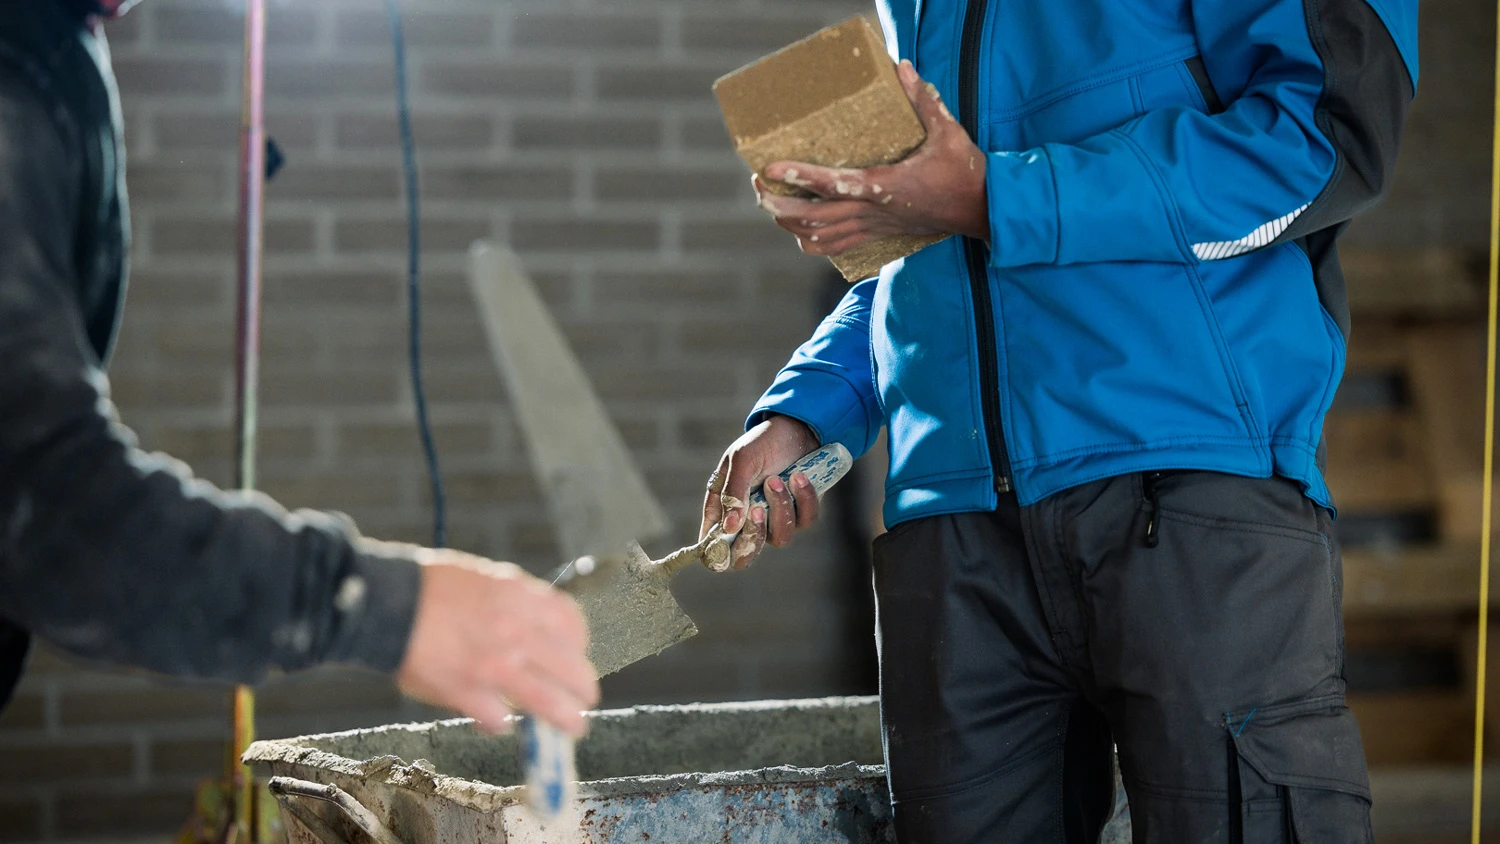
x,y
938,189
488,637
761,455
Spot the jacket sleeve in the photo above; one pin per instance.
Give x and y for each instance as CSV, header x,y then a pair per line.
x,y
1314,100
829,383
117,555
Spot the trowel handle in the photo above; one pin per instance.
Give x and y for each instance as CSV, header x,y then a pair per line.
x,y
823,468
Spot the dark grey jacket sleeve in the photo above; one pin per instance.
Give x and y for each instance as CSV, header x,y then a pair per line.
x,y
122,556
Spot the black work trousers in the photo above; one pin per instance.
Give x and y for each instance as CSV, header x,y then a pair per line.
x,y
1191,618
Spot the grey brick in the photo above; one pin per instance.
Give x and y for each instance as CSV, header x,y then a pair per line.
x,y
586,132
668,183
754,34
497,182
592,30
142,76
445,132
498,80
603,235
150,812
216,238
747,236
38,762
286,27
422,27
326,78
657,83
705,133
143,705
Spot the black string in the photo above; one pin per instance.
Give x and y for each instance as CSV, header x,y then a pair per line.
x,y
414,280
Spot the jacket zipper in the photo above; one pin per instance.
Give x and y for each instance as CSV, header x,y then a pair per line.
x,y
974,252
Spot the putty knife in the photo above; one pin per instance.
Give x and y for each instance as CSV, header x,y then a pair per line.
x,y
628,599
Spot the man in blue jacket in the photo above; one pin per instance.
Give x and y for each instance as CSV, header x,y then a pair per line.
x,y
1105,402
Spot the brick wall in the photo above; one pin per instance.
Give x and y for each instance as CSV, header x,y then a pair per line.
x,y
584,134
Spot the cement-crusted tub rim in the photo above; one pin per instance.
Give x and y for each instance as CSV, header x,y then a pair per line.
x,y
419,776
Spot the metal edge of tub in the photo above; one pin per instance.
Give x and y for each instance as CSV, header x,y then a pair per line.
x,y
404,794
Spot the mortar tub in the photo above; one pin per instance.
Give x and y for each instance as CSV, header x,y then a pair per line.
x,y
767,771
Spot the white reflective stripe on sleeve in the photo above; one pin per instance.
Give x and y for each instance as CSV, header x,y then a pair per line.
x,y
1263,236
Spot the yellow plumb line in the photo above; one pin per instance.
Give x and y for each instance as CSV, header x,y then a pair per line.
x,y
1489,457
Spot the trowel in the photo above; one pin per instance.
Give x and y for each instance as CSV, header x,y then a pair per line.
x,y
600,503
628,599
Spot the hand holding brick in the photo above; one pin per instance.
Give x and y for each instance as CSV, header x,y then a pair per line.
x,y
938,190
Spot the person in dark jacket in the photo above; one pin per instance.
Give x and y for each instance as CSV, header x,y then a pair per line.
x,y
1104,400
117,555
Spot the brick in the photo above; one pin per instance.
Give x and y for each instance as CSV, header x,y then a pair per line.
x,y
730,335
216,238
421,28
328,79
20,819
496,182
53,763
656,83
299,387
373,440
169,391
324,692
508,80
445,132
476,383
601,235
753,235
154,812
489,488
755,33
300,287
592,30
143,705
181,182
24,712
142,76
831,99
705,133
323,182
355,235
185,131
695,289
671,184
585,132
661,383
286,27
202,758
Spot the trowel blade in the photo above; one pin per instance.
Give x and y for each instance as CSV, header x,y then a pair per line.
x,y
597,495
631,612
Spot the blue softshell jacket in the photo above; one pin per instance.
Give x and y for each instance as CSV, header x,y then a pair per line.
x,y
1161,290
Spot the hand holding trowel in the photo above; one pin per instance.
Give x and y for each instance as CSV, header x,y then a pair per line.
x,y
628,599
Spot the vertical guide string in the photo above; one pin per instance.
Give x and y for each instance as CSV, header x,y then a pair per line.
x,y
1489,457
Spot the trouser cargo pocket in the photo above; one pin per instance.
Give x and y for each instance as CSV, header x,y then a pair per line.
x,y
1297,774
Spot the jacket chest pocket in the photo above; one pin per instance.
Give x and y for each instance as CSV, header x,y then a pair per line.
x,y
1087,109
